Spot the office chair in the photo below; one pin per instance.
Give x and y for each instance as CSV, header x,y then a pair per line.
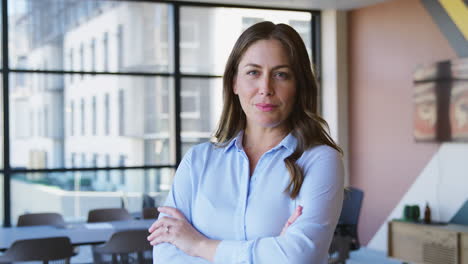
x,y
346,236
124,243
108,215
148,201
150,213
43,249
53,219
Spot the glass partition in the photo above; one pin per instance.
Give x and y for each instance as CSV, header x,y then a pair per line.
x,y
74,193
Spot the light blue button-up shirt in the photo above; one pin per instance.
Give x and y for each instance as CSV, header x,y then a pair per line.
x,y
214,191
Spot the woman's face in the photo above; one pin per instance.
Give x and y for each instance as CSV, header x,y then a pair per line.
x,y
265,84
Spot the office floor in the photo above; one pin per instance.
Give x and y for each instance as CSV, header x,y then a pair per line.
x,y
370,256
362,256
85,256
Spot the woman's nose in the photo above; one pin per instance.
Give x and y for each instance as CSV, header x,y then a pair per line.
x,y
265,87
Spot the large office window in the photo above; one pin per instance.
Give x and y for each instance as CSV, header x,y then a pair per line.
x,y
93,84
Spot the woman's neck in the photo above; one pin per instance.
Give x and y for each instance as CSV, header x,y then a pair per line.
x,y
259,139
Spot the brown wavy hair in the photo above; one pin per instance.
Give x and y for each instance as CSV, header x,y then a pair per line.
x,y
304,122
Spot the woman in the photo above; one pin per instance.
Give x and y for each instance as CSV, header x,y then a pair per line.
x,y
230,200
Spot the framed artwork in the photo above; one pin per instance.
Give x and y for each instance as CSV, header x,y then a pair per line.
x,y
441,101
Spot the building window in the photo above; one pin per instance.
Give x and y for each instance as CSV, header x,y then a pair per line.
x,y
120,47
121,109
95,164
70,64
190,102
106,114
83,160
82,59
190,38
108,172
40,123
31,122
46,121
72,118
93,54
73,160
150,101
165,100
83,116
105,51
122,161
94,116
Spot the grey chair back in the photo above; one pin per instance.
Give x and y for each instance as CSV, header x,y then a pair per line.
x,y
43,249
108,215
148,201
53,219
346,236
150,213
125,242
349,217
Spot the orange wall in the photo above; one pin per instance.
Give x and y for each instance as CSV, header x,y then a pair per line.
x,y
386,43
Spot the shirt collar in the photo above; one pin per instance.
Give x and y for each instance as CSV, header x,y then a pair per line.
x,y
289,143
237,141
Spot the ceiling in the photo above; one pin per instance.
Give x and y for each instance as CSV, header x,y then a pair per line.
x,y
302,4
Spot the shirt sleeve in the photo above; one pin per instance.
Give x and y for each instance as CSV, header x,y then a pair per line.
x,y
179,197
307,240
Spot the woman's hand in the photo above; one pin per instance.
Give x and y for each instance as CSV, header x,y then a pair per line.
x,y
180,233
292,219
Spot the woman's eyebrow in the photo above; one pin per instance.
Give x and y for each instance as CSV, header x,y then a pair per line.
x,y
274,68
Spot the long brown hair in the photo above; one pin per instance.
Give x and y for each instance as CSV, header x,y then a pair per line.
x,y
304,122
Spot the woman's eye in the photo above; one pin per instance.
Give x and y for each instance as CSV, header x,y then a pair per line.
x,y
282,75
252,73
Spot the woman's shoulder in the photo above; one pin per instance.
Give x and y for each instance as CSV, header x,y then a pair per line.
x,y
322,160
322,151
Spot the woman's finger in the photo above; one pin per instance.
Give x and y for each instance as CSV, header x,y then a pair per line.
x,y
295,215
160,222
157,233
292,219
159,236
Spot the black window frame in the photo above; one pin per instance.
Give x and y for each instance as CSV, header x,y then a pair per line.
x,y
7,171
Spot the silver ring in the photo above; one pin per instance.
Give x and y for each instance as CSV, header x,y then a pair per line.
x,y
167,229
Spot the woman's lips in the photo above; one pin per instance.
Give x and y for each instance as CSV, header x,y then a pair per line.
x,y
266,107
